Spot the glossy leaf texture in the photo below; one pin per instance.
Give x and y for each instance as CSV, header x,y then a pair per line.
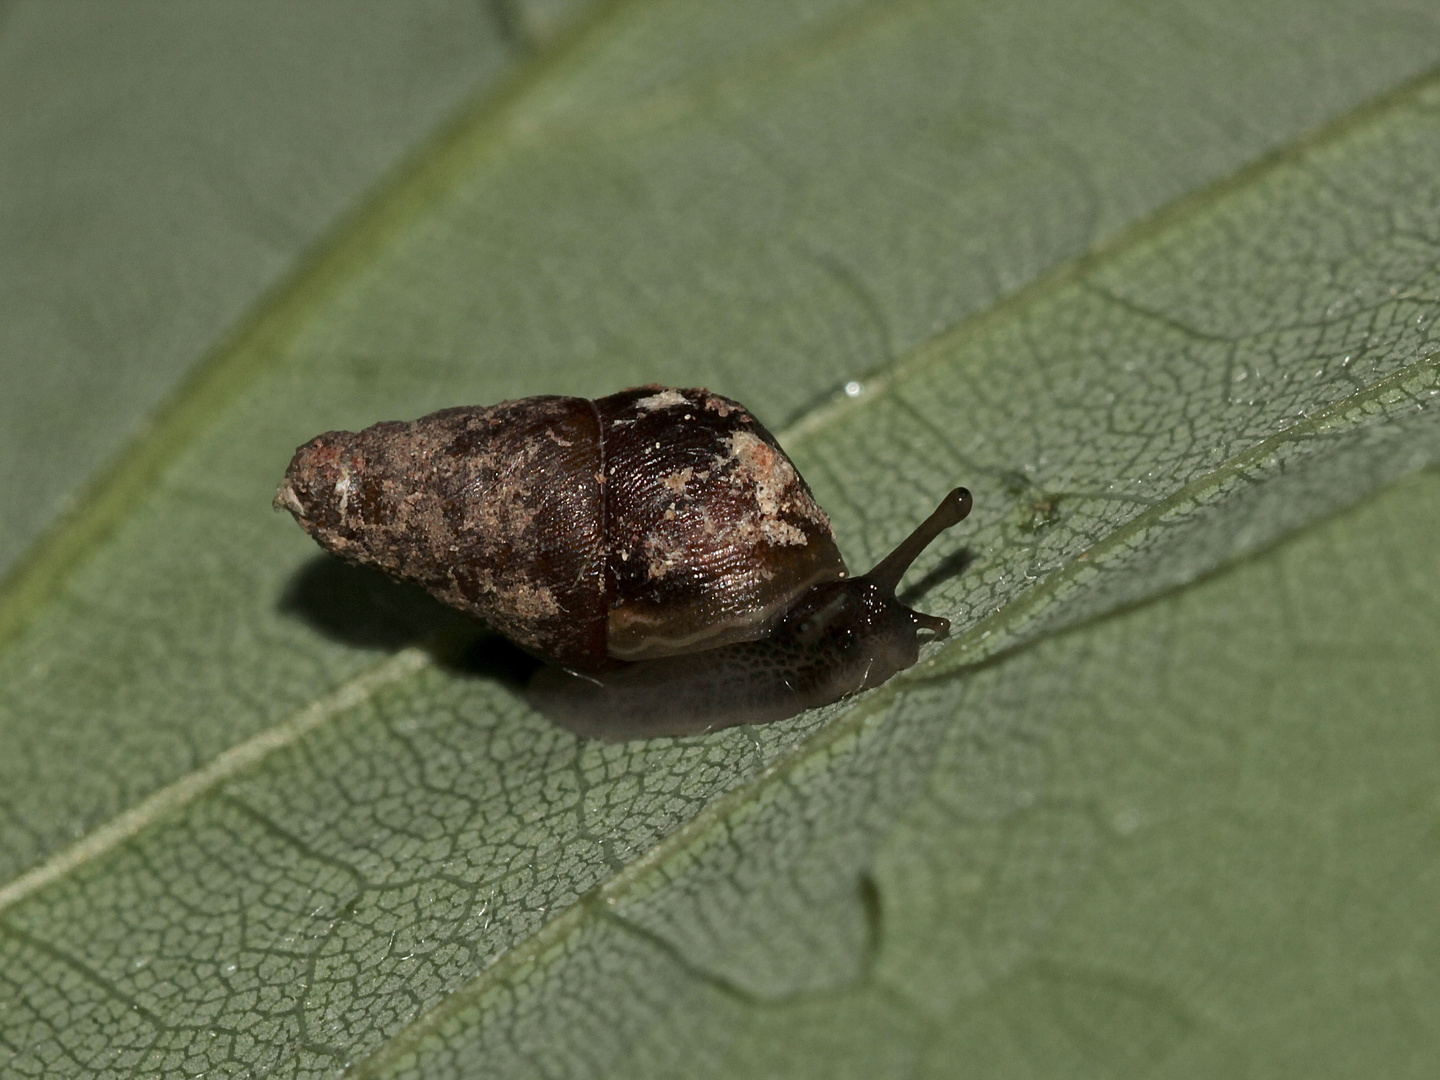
x,y
1159,288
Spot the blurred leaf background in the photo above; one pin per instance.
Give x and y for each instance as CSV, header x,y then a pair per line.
x,y
1158,284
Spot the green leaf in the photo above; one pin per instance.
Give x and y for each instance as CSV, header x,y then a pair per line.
x,y
162,166
1195,839
233,843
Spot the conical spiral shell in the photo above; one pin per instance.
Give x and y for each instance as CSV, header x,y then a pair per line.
x,y
649,523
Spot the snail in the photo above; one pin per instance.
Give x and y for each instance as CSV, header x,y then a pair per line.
x,y
656,546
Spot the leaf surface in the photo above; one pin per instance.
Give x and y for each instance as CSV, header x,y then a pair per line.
x,y
1195,839
292,858
163,166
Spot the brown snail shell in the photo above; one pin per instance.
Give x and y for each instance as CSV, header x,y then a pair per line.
x,y
610,535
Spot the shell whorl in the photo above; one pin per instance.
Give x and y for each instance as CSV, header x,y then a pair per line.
x,y
710,530
494,510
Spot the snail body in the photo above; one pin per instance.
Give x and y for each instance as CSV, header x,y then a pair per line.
x,y
650,537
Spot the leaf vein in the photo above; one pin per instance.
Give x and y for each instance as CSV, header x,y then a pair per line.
x,y
180,793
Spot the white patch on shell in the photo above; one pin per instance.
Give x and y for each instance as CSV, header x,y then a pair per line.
x,y
782,533
662,557
755,469
776,485
676,481
343,487
527,601
286,499
665,399
724,408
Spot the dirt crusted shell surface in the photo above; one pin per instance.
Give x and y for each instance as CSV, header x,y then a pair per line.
x,y
651,522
